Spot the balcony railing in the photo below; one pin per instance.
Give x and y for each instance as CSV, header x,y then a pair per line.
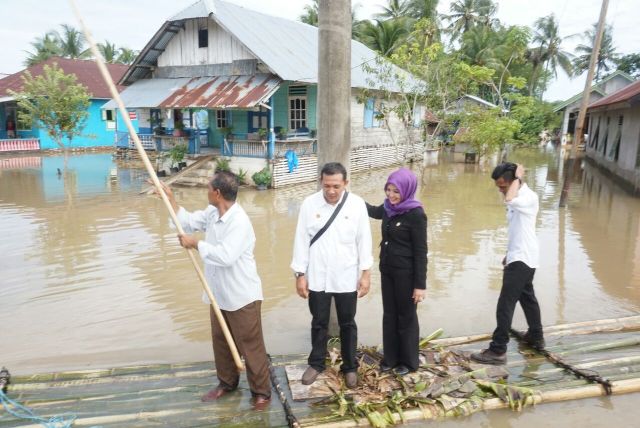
x,y
260,149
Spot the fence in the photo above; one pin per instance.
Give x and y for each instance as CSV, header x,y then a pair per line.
x,y
19,144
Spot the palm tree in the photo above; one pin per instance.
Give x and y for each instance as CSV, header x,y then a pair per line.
x,y
607,57
549,50
108,51
126,56
480,47
44,48
394,9
71,42
420,9
383,36
310,15
466,14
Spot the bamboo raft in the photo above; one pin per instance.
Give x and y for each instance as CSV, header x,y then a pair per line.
x,y
446,385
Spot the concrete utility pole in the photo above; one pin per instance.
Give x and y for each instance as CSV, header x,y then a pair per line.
x,y
334,82
577,139
334,94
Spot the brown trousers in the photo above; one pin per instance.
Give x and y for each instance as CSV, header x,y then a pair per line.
x,y
245,325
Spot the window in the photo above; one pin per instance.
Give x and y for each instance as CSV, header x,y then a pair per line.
x,y
109,116
373,118
615,148
594,138
605,138
203,38
297,112
222,120
638,153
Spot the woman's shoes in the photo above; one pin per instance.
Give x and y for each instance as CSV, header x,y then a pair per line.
x,y
401,370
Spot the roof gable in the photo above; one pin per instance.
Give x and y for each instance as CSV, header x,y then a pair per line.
x,y
630,93
597,88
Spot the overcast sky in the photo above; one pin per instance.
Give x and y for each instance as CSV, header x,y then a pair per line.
x,y
132,23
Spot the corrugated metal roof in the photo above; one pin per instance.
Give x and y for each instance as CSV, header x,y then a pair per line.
x,y
203,92
630,93
86,73
288,48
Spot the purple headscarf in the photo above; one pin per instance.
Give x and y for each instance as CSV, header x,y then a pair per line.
x,y
407,183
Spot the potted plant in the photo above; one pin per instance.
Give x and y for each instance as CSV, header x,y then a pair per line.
x,y
282,134
262,133
178,129
262,178
227,132
156,125
176,154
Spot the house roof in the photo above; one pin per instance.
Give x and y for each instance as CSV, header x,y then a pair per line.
x,y
629,94
288,48
479,100
86,72
203,92
597,88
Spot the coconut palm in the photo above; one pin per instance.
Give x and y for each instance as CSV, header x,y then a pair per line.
x,y
310,15
108,51
44,48
126,56
548,51
466,14
394,9
383,36
481,47
72,42
420,9
607,56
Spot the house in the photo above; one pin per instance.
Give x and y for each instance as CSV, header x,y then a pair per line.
x,y
570,107
99,129
245,83
614,144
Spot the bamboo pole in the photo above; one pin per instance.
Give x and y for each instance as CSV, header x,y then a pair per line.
x,y
583,327
154,178
540,397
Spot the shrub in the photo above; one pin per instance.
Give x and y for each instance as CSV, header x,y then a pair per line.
x,y
262,177
222,164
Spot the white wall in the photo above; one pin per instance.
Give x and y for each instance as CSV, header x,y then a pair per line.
x,y
183,48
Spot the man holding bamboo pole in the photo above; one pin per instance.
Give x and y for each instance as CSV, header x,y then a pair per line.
x,y
230,270
520,264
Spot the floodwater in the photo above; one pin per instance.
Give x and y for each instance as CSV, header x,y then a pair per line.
x,y
91,273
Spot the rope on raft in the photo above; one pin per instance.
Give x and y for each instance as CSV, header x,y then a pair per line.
x,y
291,418
590,375
20,411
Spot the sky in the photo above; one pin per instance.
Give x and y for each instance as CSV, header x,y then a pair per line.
x,y
132,23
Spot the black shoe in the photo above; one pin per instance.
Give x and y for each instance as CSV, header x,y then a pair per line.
x,y
534,343
487,356
401,370
385,368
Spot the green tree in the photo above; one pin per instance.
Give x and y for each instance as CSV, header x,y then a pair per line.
x,y
108,51
630,64
607,57
487,130
466,14
383,36
72,42
44,48
55,101
126,56
394,9
548,51
424,9
534,116
310,14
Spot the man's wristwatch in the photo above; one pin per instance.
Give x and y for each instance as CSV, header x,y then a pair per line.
x,y
298,274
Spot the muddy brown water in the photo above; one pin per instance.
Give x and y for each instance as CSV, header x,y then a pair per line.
x,y
91,273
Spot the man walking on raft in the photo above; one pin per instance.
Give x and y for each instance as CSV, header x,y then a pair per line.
x,y
230,270
520,265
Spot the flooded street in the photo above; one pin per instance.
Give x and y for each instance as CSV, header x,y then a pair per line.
x,y
92,274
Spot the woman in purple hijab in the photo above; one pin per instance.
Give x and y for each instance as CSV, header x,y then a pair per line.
x,y
403,269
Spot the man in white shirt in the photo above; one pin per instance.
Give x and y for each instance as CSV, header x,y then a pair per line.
x,y
335,265
520,265
230,270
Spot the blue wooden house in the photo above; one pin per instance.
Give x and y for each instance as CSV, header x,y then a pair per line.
x,y
99,129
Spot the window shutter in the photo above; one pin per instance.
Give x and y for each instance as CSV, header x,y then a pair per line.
x,y
104,114
368,113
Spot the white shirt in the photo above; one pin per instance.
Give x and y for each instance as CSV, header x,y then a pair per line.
x,y
521,215
227,253
334,262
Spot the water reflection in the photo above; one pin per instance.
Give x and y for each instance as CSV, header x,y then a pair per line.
x,y
93,275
